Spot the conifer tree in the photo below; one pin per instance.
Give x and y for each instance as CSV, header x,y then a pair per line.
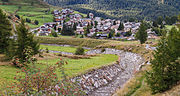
x,y
88,15
141,35
25,40
96,23
67,31
121,26
114,22
5,32
92,23
11,49
75,26
165,73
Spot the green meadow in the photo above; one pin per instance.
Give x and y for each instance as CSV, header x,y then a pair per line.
x,y
73,68
31,12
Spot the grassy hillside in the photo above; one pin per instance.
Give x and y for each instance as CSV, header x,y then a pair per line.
x,y
34,10
122,8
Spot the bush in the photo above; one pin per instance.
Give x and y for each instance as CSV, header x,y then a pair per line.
x,y
103,50
36,22
47,50
79,51
54,34
28,20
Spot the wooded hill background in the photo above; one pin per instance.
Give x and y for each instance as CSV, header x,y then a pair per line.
x,y
123,9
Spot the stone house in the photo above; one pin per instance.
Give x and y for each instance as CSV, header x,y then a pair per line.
x,y
43,31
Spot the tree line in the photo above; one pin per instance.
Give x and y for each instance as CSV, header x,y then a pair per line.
x,y
123,9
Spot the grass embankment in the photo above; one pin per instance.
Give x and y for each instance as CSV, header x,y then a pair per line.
x,y
79,66
132,86
60,48
137,86
131,46
74,67
71,41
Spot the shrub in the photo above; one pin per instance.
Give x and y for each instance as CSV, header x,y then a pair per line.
x,y
47,50
28,57
54,34
103,50
79,51
36,22
28,20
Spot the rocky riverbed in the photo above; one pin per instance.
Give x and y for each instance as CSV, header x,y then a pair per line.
x,y
106,80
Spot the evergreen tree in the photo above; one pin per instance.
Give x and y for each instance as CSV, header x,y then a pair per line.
x,y
59,29
165,70
87,30
88,15
159,20
141,35
155,24
11,49
129,33
75,26
121,26
67,31
111,34
132,20
92,23
96,23
114,22
25,40
5,32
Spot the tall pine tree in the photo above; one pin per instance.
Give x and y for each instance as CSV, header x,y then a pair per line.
x,y
5,32
121,26
165,73
25,40
141,35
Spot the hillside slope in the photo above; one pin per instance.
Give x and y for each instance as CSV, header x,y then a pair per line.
x,y
33,10
123,8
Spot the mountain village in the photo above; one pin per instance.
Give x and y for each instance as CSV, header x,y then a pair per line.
x,y
92,27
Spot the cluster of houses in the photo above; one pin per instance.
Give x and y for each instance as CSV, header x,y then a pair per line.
x,y
100,28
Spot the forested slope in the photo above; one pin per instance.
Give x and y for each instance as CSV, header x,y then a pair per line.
x,y
123,8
